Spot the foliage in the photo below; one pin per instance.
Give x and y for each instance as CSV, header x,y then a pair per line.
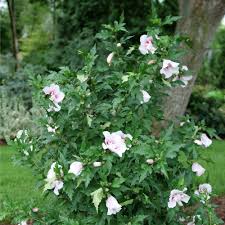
x,y
209,106
37,32
213,71
102,97
15,116
207,102
46,38
5,32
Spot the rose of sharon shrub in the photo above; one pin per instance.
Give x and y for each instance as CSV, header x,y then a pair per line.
x,y
103,163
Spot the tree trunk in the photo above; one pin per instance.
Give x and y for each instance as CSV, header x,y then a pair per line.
x,y
15,47
200,19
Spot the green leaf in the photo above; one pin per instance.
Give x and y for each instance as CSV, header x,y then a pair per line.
x,y
125,78
128,202
164,171
97,197
183,159
82,78
171,19
167,83
173,150
47,186
117,182
89,120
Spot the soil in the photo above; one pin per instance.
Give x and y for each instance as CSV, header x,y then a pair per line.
x,y
2,142
220,210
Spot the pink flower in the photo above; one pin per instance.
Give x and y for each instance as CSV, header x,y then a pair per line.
x,y
76,168
146,45
198,169
115,142
109,58
113,206
177,197
56,96
204,140
146,97
169,68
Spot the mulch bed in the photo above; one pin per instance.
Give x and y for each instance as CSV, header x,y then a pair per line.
x,y
220,210
2,142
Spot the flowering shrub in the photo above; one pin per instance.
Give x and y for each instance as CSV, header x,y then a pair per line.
x,y
98,154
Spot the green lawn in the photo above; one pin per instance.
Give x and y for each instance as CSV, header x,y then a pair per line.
x,y
16,182
17,186
215,172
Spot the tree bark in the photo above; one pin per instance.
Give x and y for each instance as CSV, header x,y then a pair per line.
x,y
200,19
15,46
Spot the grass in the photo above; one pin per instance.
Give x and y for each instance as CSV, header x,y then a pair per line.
x,y
17,187
215,174
16,182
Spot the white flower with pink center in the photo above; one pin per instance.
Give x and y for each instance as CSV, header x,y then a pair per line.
x,y
52,181
177,197
115,142
56,96
204,141
76,168
113,206
204,189
184,80
198,169
169,68
146,45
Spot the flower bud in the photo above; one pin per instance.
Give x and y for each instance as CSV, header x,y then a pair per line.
x,y
35,209
150,161
151,62
109,58
97,164
76,168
